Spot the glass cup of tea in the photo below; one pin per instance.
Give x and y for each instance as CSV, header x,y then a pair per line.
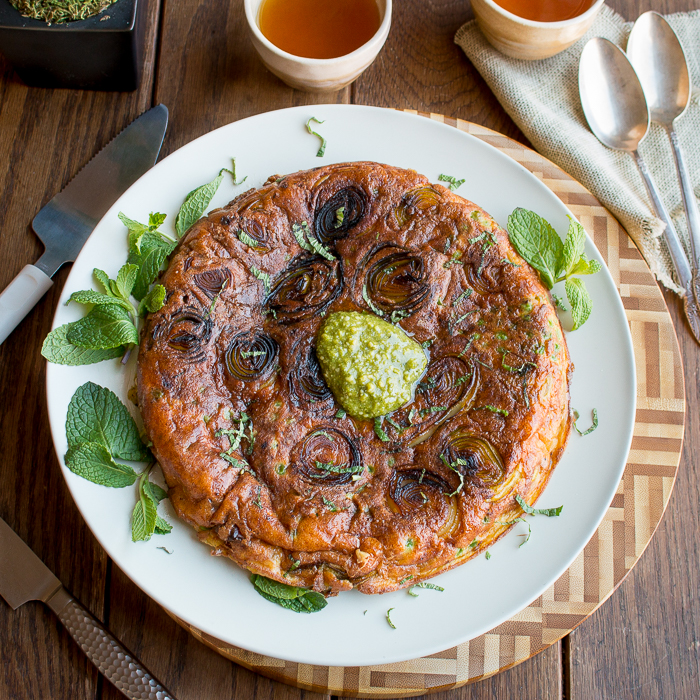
x,y
534,29
315,46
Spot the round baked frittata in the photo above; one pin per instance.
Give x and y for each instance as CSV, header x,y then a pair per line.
x,y
258,453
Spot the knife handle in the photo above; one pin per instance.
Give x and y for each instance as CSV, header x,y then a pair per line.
x,y
20,296
118,665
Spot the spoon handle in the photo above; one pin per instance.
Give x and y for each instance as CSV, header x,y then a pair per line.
x,y
673,243
689,202
670,235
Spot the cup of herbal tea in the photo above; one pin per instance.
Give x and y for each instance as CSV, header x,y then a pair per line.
x,y
318,46
534,29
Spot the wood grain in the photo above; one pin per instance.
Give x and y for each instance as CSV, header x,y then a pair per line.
x,y
643,643
46,136
209,74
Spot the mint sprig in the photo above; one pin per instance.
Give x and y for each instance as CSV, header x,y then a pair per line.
x,y
539,244
101,430
300,600
145,521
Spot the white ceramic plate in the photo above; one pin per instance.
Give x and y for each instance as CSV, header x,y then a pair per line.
x,y
214,594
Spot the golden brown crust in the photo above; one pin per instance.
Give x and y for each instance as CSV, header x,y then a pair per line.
x,y
231,341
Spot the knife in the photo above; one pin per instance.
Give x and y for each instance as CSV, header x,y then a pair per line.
x,y
66,222
24,577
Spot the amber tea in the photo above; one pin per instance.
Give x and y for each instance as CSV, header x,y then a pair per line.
x,y
319,28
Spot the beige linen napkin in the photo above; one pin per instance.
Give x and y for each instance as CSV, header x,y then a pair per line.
x,y
542,98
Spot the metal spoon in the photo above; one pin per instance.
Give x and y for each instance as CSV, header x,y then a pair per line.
x,y
657,56
617,113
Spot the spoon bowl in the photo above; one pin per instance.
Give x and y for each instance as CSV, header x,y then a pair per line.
x,y
616,110
612,96
657,56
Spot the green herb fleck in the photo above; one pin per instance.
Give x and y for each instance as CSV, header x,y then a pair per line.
x,y
464,295
263,277
454,467
452,182
493,409
300,231
329,504
322,149
594,414
559,302
232,173
341,413
388,619
549,512
487,556
518,520
454,260
424,584
379,431
369,302
432,409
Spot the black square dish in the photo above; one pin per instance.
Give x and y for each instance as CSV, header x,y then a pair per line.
x,y
104,52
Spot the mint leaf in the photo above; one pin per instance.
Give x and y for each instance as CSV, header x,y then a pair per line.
x,y
573,248
163,527
296,599
275,588
144,517
549,512
90,296
580,300
586,267
154,492
60,351
126,278
95,414
153,253
138,230
93,462
194,205
313,601
155,220
153,301
103,278
537,242
103,328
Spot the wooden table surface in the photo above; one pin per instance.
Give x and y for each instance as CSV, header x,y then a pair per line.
x,y
644,642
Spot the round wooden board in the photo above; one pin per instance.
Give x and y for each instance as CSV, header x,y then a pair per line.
x,y
626,529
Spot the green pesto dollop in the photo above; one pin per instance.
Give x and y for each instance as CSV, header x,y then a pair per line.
x,y
371,366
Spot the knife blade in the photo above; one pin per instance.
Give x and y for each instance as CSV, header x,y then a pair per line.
x,y
24,577
65,223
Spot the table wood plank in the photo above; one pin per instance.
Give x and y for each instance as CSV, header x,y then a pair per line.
x,y
210,75
46,136
644,642
188,668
